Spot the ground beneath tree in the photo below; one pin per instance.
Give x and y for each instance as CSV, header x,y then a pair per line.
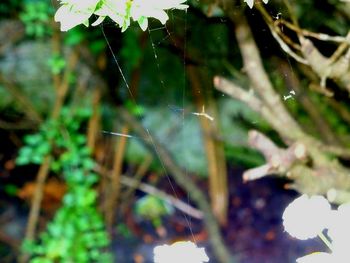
x,y
254,233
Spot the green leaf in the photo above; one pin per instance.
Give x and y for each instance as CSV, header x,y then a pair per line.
x,y
152,207
33,139
143,22
74,37
55,166
68,199
57,63
88,164
134,108
37,158
22,160
97,46
11,189
123,230
43,149
26,151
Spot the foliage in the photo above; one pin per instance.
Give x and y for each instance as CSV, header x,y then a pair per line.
x,y
57,64
76,233
152,208
36,16
323,20
131,51
11,189
123,230
250,3
73,13
163,116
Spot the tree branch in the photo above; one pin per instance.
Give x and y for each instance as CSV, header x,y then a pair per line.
x,y
315,177
183,180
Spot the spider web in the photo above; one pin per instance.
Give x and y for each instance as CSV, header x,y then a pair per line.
x,y
179,108
174,108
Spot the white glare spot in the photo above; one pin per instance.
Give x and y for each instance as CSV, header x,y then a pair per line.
x,y
306,217
289,96
180,252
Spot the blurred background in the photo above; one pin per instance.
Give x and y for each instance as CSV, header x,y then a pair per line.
x,y
113,143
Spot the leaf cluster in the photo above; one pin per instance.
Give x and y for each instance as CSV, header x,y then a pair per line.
x,y
153,208
73,13
36,16
77,232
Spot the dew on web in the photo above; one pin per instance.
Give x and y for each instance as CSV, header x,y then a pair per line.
x,y
155,52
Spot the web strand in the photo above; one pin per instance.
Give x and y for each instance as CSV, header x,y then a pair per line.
x,y
118,65
188,220
183,113
150,139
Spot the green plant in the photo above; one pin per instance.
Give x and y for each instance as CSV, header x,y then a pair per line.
x,y
11,189
153,209
57,63
250,3
36,16
77,232
131,52
73,13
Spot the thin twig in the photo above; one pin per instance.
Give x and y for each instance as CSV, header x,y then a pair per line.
x,y
36,203
322,126
139,174
44,169
286,48
112,201
149,189
19,125
275,28
319,36
184,181
62,89
182,206
280,37
19,96
248,97
94,121
216,163
341,109
340,50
